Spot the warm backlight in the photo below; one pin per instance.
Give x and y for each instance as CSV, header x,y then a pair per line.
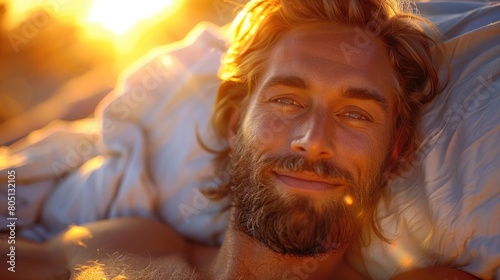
x,y
120,16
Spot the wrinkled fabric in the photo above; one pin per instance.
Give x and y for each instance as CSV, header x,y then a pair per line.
x,y
138,157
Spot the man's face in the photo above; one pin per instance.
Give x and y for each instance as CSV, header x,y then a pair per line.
x,y
314,142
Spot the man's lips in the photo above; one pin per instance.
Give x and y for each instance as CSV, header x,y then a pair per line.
x,y
306,180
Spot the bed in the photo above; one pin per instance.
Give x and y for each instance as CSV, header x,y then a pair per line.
x,y
139,156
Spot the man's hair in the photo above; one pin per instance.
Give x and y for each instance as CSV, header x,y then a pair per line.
x,y
262,23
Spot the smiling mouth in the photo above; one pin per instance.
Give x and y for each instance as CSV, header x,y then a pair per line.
x,y
306,181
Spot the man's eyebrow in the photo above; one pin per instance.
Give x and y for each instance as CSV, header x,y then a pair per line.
x,y
289,81
350,92
367,94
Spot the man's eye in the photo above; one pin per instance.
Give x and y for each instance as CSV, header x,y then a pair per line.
x,y
356,116
286,101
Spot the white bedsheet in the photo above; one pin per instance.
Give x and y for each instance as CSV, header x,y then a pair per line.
x,y
139,156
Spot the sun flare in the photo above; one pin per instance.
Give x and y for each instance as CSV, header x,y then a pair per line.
x,y
121,16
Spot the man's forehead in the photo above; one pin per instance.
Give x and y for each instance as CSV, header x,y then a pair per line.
x,y
345,44
323,31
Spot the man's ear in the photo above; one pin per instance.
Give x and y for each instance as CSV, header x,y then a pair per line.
x,y
396,155
232,128
394,159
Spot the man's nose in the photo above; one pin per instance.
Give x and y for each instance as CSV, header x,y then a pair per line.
x,y
316,142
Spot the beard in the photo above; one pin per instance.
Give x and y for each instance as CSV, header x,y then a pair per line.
x,y
295,224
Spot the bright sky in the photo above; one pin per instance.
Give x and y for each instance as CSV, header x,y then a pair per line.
x,y
105,18
120,16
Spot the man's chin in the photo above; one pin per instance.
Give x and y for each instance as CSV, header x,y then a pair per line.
x,y
300,227
316,247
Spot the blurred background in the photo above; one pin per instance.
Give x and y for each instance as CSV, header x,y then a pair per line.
x,y
59,58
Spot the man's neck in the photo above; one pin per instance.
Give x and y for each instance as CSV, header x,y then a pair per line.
x,y
242,257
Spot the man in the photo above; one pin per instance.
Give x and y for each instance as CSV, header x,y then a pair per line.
x,y
317,114
314,131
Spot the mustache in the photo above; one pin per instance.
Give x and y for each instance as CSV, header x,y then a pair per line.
x,y
298,163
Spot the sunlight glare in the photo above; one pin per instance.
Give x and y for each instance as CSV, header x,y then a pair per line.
x,y
76,235
348,200
399,253
120,16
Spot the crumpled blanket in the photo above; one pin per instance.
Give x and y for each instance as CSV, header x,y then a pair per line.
x,y
138,157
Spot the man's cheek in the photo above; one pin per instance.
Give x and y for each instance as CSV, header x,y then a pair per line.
x,y
267,129
358,154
